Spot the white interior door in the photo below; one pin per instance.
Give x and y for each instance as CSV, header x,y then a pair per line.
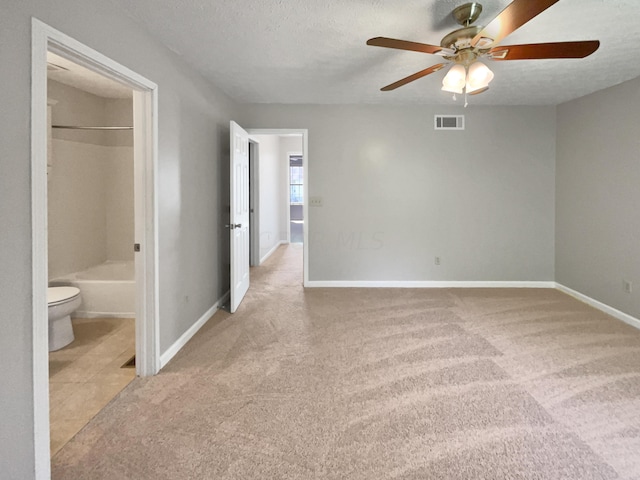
x,y
239,221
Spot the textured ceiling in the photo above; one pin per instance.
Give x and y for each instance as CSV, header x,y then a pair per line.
x,y
84,79
313,51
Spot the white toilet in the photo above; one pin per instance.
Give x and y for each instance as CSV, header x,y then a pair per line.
x,y
63,301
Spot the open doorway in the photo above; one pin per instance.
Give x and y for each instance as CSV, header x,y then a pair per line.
x,y
296,198
278,199
91,229
60,48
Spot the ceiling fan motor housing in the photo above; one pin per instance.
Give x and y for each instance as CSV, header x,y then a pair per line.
x,y
460,40
468,13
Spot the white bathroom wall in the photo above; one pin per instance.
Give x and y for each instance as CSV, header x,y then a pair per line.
x,y
91,209
118,112
76,107
119,202
120,213
76,190
272,181
76,194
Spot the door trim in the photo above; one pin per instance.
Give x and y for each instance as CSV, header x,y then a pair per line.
x,y
45,38
305,208
254,203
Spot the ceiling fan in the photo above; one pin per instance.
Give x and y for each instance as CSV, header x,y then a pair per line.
x,y
466,46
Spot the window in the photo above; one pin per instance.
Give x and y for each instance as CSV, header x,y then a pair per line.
x,y
296,179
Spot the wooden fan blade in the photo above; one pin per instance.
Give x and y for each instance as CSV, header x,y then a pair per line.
x,y
538,51
403,45
510,19
415,76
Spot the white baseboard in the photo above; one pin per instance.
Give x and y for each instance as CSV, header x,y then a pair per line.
x,y
626,318
425,284
186,336
271,252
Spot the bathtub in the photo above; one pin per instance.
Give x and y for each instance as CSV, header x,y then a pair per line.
x,y
107,290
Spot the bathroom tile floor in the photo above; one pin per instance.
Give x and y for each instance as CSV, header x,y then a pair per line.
x,y
88,374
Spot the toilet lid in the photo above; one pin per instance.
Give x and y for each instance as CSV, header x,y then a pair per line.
x,y
61,294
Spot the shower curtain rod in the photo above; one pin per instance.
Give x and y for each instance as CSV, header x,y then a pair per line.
x,y
74,127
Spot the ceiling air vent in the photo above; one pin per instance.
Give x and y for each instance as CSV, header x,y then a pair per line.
x,y
449,122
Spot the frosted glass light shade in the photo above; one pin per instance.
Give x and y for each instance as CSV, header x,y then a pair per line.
x,y
455,79
479,77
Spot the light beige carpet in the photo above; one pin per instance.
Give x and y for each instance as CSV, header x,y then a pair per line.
x,y
376,384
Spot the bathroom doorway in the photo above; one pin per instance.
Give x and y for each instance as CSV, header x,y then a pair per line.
x,y
51,50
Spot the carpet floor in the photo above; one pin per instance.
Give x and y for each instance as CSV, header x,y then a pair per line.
x,y
379,384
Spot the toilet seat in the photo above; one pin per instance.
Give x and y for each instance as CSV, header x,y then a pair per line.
x,y
58,295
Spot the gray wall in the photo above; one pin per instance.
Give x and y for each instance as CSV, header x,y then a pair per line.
x,y
193,192
396,193
598,195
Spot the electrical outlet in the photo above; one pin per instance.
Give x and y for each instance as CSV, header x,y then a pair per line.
x,y
628,287
315,201
437,261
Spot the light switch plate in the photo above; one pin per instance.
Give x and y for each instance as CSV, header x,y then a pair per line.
x,y
315,201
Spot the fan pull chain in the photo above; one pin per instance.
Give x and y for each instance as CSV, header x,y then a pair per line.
x,y
466,102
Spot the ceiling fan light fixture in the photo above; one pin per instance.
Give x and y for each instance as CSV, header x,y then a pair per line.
x,y
455,79
478,78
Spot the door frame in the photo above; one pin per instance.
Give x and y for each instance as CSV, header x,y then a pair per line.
x,y
254,203
45,38
305,208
